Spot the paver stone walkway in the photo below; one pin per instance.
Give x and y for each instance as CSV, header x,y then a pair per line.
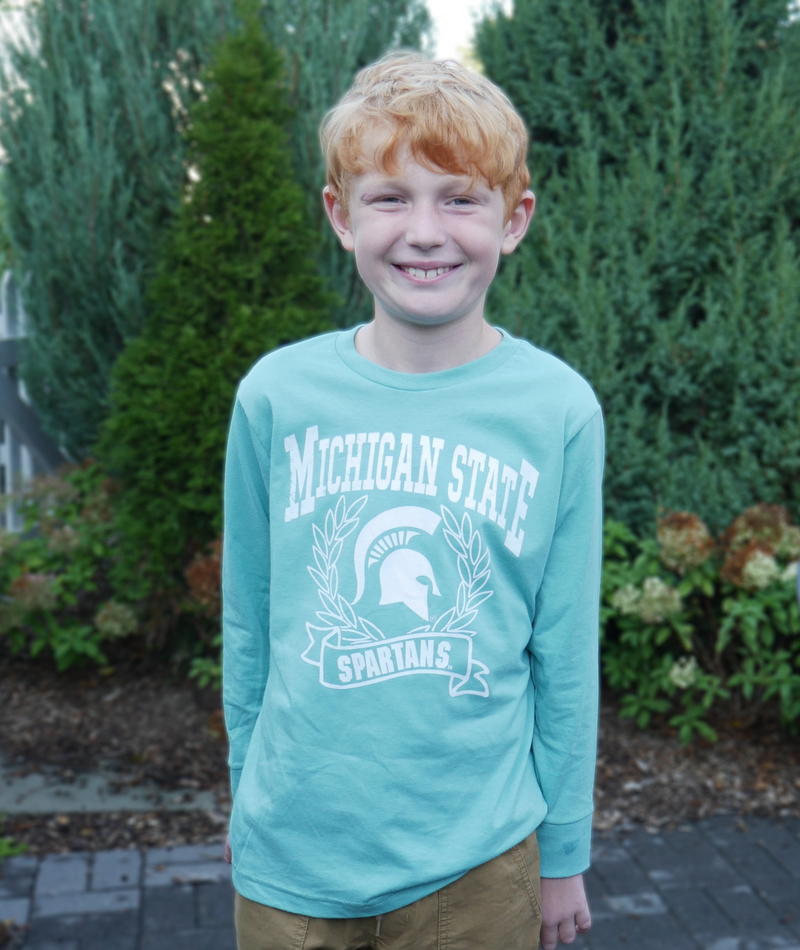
x,y
720,884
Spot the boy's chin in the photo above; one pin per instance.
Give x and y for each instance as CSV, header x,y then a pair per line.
x,y
428,320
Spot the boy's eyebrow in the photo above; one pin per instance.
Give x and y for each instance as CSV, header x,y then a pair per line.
x,y
450,181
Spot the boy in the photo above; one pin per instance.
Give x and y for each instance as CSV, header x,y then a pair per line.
x,y
411,568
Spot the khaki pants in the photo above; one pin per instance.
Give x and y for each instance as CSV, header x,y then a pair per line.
x,y
495,906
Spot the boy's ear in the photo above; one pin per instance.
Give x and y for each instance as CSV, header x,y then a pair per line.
x,y
518,224
338,219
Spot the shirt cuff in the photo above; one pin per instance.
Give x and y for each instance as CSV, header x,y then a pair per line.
x,y
564,850
236,774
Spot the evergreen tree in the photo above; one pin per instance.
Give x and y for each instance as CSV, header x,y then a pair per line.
x,y
663,262
235,279
325,43
88,122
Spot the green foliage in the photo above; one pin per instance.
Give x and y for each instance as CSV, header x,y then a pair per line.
x,y
663,262
207,669
57,595
89,120
696,631
9,848
235,280
324,43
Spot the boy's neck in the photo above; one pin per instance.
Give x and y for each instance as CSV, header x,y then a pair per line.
x,y
409,348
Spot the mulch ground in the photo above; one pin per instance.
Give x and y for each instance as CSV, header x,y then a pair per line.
x,y
157,727
648,778
148,724
102,831
145,723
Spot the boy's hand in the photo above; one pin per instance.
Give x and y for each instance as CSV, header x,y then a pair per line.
x,y
226,851
565,910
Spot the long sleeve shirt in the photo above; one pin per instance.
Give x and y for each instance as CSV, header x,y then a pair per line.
x,y
410,586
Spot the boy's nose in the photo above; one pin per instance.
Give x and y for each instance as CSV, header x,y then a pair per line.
x,y
424,228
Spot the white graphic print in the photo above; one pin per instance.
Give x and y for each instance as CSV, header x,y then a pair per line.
x,y
352,651
402,567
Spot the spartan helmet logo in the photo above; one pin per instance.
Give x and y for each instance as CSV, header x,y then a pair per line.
x,y
400,568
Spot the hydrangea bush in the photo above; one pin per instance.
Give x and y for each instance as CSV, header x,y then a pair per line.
x,y
55,593
698,629
204,580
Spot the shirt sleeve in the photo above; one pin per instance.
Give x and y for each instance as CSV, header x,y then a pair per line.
x,y
564,659
245,587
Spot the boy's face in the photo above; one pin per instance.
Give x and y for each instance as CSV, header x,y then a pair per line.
x,y
427,243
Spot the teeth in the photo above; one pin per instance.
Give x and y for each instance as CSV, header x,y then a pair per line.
x,y
426,274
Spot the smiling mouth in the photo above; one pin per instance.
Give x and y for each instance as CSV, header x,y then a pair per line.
x,y
422,274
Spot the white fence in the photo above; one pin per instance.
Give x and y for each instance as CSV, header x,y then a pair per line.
x,y
25,449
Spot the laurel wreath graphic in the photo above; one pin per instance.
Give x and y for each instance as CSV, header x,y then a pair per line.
x,y
337,612
473,569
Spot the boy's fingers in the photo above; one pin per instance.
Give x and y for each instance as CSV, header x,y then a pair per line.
x,y
549,936
583,919
566,931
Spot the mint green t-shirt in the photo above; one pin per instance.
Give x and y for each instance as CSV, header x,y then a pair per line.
x,y
410,583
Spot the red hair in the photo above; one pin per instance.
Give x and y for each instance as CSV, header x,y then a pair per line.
x,y
450,119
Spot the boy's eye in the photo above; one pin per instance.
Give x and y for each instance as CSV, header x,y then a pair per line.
x,y
462,201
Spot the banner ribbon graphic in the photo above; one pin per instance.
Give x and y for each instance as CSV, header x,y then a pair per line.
x,y
355,663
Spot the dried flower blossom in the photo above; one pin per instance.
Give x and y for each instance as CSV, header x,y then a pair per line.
x,y
767,524
683,672
789,545
33,592
204,579
115,620
684,541
751,567
48,492
626,599
760,571
658,601
789,573
63,539
655,601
